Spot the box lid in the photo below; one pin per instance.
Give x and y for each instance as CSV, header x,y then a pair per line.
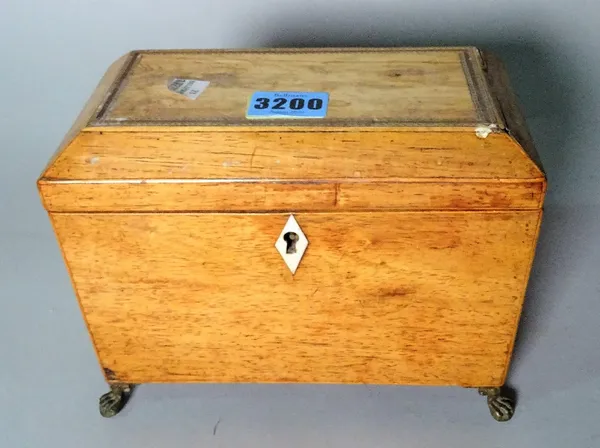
x,y
432,87
413,128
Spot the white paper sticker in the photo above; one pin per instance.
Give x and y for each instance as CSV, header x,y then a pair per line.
x,y
190,88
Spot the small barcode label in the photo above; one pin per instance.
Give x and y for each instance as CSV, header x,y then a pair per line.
x,y
190,88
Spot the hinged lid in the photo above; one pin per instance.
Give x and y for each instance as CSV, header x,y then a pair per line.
x,y
403,129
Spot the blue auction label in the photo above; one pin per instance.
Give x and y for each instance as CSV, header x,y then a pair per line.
x,y
287,105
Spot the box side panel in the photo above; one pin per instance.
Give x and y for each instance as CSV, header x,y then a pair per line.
x,y
106,85
532,249
62,234
382,298
499,82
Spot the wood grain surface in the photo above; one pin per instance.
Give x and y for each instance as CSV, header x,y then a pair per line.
x,y
176,154
399,86
388,297
204,171
289,196
422,233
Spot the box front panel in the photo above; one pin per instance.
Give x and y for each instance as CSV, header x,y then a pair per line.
x,y
388,297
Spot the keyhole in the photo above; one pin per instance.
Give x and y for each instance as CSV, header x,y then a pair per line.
x,y
290,239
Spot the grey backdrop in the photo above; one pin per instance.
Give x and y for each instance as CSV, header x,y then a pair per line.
x,y
51,56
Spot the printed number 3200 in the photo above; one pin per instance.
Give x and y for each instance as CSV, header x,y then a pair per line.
x,y
294,104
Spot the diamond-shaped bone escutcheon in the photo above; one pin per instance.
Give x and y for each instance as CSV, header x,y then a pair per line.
x,y
291,244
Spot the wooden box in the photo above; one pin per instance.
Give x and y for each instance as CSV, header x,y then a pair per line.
x,y
416,202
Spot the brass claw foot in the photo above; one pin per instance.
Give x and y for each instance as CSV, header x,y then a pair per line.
x,y
501,406
113,402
